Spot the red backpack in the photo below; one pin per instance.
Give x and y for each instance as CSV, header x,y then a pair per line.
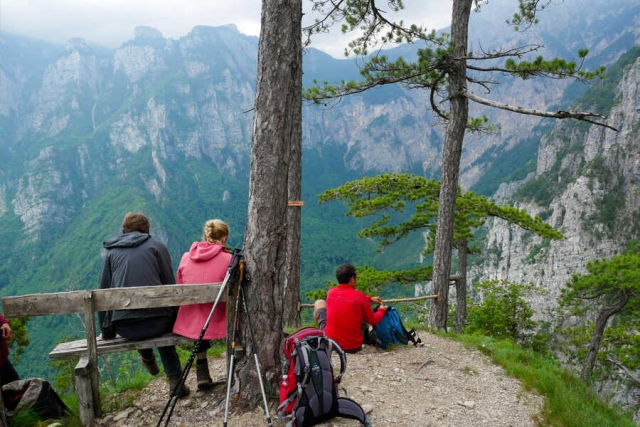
x,y
309,388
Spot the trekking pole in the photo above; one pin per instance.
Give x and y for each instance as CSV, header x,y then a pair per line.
x,y
173,397
240,295
233,345
255,357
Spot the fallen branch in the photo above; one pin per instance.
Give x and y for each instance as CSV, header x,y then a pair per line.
x,y
628,373
428,362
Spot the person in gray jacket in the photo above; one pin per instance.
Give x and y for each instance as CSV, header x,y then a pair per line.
x,y
134,258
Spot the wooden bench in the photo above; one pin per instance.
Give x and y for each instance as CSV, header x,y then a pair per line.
x,y
91,301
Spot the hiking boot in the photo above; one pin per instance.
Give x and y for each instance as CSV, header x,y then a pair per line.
x,y
150,365
202,375
173,383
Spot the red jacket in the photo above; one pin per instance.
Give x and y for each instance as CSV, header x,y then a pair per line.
x,y
346,309
204,263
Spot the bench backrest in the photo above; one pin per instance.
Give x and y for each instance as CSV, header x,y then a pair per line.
x,y
110,299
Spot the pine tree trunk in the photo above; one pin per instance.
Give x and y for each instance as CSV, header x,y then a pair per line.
x,y
275,132
461,287
452,151
601,323
291,295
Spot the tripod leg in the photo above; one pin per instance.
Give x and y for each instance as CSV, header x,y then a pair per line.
x,y
233,349
226,404
173,399
255,357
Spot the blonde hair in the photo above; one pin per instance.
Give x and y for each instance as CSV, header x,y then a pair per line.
x,y
215,230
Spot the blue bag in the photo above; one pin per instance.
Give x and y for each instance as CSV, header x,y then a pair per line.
x,y
391,331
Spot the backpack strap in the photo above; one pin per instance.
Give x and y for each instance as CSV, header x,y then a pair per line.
x,y
412,335
343,358
300,351
348,408
303,352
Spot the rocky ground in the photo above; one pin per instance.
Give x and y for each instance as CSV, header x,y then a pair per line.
x,y
440,384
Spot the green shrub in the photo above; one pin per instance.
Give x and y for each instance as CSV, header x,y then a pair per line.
x,y
503,311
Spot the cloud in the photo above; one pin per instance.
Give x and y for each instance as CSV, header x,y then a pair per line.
x,y
112,22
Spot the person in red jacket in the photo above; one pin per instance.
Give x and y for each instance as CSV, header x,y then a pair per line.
x,y
206,262
345,313
7,371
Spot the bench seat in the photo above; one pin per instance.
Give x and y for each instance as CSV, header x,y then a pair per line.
x,y
78,348
89,302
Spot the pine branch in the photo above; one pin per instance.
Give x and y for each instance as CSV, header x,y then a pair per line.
x,y
626,370
559,114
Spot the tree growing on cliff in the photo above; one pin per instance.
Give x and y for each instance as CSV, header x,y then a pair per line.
x,y
445,67
382,195
609,293
268,244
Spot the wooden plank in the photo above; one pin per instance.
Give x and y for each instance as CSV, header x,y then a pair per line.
x,y
83,388
156,296
72,349
393,301
43,304
110,299
92,353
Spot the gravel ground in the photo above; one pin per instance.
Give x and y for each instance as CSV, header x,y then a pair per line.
x,y
440,384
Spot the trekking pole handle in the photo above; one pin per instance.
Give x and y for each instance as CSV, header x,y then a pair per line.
x,y
235,259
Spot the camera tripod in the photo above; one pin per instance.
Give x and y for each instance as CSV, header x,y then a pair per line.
x,y
232,274
240,296
235,274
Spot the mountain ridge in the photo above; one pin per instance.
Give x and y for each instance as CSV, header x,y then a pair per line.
x,y
163,126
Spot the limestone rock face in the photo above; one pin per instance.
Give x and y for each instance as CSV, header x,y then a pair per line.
x,y
144,32
162,102
596,207
602,175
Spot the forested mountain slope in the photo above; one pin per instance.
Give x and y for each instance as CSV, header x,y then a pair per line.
x,y
164,126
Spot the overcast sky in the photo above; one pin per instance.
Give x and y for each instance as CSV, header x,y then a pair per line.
x,y
111,22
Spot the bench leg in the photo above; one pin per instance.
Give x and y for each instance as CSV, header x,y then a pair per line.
x,y
86,405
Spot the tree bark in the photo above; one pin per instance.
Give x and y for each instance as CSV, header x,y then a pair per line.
x,y
291,295
601,323
277,101
461,287
451,153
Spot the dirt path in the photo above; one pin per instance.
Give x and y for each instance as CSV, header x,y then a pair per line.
x,y
441,384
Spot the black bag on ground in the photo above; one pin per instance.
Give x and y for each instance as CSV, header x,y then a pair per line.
x,y
35,394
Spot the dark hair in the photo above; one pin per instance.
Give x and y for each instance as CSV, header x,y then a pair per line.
x,y
345,272
135,221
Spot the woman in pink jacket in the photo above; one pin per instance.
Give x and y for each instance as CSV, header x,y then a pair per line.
x,y
206,262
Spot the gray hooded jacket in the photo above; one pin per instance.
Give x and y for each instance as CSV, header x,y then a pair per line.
x,y
134,259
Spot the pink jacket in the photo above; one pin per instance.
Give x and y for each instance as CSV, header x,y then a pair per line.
x,y
204,263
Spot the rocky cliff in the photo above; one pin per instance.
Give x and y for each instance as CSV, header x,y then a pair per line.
x,y
160,100
594,177
164,125
594,174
